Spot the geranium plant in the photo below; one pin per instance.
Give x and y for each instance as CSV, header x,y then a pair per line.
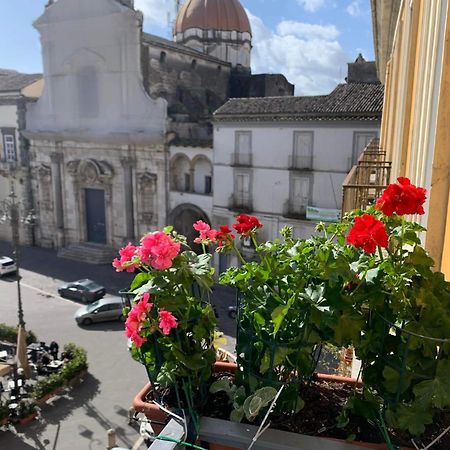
x,y
366,282
172,323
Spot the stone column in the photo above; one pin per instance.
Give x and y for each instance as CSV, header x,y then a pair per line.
x,y
56,160
127,164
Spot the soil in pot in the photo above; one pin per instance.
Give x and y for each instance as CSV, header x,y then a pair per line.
x,y
323,402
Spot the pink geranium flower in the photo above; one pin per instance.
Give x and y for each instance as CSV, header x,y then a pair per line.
x,y
136,318
167,321
158,249
206,234
128,259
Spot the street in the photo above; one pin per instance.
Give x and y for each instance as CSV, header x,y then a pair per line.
x,y
79,420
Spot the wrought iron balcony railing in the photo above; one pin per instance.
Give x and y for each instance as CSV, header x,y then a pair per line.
x,y
242,159
240,202
300,162
294,209
367,180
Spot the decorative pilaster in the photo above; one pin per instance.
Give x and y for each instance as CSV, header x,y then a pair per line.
x,y
56,161
127,164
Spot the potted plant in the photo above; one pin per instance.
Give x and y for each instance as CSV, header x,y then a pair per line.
x,y
365,282
26,411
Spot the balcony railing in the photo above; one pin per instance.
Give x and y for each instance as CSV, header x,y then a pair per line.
x,y
294,209
241,202
242,159
367,180
300,162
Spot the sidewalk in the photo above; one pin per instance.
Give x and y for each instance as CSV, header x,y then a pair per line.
x,y
43,261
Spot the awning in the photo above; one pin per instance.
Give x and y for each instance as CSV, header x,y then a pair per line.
x,y
5,369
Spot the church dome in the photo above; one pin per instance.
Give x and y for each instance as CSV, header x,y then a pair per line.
x,y
224,15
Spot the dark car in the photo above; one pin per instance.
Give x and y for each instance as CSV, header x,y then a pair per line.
x,y
85,290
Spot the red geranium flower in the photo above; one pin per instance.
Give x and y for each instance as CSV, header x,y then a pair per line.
x,y
402,198
246,224
368,232
224,237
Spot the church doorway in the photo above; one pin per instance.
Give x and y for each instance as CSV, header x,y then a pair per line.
x,y
95,215
183,217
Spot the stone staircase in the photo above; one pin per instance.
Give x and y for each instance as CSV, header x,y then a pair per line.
x,y
89,252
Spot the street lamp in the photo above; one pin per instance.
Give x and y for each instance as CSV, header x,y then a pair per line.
x,y
10,212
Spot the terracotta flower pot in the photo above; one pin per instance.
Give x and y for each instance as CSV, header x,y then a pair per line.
x,y
43,400
154,413
26,420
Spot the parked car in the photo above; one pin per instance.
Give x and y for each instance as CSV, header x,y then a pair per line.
x,y
100,311
7,265
85,290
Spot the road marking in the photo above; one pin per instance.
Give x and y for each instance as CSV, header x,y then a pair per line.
x,y
47,294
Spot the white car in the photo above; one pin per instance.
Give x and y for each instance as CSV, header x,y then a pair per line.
x,y
7,265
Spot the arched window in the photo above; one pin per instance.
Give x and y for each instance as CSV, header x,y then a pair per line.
x,y
194,64
87,90
180,174
162,57
202,176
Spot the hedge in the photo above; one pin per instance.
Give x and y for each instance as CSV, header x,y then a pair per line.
x,y
76,364
9,334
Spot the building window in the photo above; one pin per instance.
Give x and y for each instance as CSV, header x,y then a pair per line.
x,y
243,148
162,57
302,155
299,196
9,144
194,64
361,140
242,197
208,184
187,182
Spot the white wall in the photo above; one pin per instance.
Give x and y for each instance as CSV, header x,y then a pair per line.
x,y
272,144
101,37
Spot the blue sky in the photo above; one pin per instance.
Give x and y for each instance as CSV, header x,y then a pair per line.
x,y
310,41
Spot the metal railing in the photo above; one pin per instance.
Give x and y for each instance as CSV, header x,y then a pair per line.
x,y
241,159
366,180
300,162
241,202
294,209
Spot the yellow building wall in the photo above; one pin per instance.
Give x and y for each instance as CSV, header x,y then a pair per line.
x,y
416,117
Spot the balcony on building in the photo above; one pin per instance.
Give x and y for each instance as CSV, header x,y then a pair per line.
x,y
300,162
293,209
241,159
367,179
240,202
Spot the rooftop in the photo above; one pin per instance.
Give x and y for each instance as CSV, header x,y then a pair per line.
x,y
352,101
12,81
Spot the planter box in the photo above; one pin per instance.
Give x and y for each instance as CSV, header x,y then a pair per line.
x,y
226,435
158,417
26,420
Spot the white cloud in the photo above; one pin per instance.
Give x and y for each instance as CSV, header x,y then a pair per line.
x,y
315,62
354,8
311,5
307,30
156,11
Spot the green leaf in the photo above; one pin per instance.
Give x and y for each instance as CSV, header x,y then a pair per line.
x,y
392,380
348,329
139,280
237,415
220,385
413,418
259,400
436,391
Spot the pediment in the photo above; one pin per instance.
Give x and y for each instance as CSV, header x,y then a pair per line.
x,y
73,10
